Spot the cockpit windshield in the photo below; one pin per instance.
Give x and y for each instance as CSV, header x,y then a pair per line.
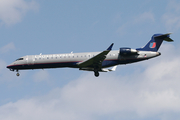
x,y
19,59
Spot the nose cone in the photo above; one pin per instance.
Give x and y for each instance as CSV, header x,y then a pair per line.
x,y
9,66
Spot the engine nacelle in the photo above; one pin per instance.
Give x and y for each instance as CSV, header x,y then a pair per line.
x,y
127,51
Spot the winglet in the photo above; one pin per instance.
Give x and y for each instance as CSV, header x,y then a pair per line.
x,y
110,47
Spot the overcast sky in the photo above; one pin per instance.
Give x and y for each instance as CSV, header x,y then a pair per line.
x,y
147,90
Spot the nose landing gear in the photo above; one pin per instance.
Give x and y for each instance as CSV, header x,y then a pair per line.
x,y
17,74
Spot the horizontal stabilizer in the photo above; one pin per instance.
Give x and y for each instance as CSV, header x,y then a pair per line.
x,y
166,37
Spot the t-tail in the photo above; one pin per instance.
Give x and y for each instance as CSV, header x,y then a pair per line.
x,y
155,42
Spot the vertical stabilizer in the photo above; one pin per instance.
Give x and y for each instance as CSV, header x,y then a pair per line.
x,y
155,42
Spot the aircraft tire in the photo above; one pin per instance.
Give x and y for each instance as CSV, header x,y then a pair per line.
x,y
17,74
96,74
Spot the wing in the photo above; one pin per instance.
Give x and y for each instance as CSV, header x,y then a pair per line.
x,y
102,70
96,61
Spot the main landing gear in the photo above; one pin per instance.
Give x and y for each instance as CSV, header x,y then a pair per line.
x,y
96,73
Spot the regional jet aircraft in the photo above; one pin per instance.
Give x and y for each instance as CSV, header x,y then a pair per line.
x,y
92,61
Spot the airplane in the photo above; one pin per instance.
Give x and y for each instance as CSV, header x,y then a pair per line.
x,y
92,61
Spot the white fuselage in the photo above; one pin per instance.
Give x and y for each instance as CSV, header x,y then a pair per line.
x,y
71,59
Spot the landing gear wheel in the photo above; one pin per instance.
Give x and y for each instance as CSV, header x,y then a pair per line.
x,y
96,74
17,74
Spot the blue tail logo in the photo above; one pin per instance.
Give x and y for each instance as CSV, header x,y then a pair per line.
x,y
152,45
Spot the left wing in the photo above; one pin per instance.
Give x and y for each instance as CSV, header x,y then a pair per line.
x,y
101,70
96,61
